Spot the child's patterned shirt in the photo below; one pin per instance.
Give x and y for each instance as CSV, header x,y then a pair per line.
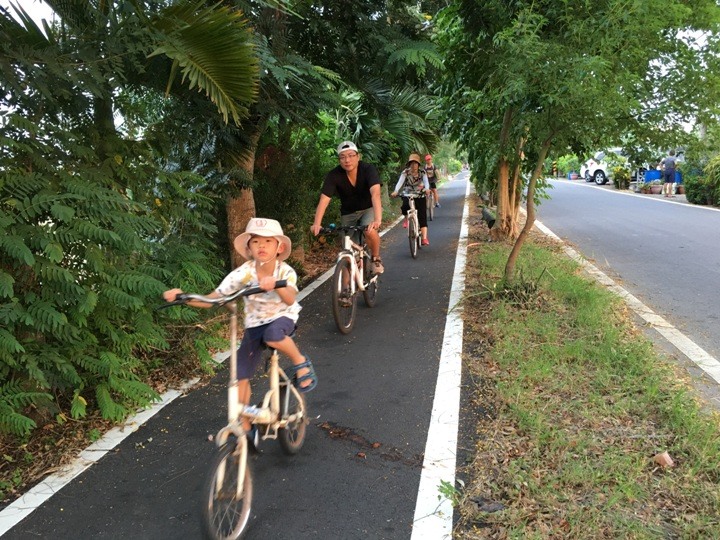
x,y
261,308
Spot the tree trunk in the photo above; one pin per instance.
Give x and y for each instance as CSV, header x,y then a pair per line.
x,y
530,221
239,211
507,201
241,205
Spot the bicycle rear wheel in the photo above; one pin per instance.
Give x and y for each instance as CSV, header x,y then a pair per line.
x,y
225,513
370,292
343,303
413,236
292,437
430,203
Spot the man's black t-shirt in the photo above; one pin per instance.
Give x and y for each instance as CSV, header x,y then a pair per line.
x,y
352,198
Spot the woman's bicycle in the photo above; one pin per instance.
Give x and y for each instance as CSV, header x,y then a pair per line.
x,y
282,415
414,235
353,274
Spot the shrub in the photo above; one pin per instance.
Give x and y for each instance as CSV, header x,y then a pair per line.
x,y
621,177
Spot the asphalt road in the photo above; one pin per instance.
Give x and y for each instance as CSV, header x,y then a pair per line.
x,y
665,253
358,474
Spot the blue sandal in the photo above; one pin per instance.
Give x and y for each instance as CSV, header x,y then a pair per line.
x,y
310,376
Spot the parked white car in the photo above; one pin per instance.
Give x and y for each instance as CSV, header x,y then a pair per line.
x,y
596,170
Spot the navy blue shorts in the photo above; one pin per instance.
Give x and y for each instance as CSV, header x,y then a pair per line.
x,y
251,347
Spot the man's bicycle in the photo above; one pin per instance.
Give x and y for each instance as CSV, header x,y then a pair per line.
x,y
282,415
414,235
353,274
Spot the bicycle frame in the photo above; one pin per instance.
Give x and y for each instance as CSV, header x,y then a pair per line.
x,y
353,252
412,212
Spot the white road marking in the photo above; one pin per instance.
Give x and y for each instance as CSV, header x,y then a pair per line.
x,y
434,514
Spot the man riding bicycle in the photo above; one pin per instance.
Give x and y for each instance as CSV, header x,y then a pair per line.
x,y
357,184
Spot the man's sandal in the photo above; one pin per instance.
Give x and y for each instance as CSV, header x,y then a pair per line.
x,y
310,376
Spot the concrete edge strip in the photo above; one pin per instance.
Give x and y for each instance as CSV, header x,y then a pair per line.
x,y
680,341
433,518
22,507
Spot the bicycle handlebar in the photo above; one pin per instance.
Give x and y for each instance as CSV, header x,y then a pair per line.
x,y
184,298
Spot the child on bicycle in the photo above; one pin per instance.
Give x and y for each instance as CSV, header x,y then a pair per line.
x,y
269,317
414,180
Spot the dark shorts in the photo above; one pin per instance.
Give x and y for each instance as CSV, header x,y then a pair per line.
x,y
251,347
669,176
433,185
361,218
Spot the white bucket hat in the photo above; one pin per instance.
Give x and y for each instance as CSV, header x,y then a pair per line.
x,y
262,227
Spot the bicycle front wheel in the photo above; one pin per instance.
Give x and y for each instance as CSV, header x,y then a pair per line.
x,y
413,236
371,285
343,303
292,436
225,509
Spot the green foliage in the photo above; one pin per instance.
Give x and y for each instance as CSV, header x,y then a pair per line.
x,y
288,183
621,177
568,163
93,227
14,398
704,188
523,75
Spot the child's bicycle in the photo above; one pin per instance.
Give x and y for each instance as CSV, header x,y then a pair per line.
x,y
414,236
228,489
353,273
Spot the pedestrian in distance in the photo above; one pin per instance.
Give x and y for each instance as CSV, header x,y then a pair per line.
x,y
269,317
357,184
668,167
414,180
433,177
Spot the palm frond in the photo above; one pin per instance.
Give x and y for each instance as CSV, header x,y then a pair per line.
x,y
213,49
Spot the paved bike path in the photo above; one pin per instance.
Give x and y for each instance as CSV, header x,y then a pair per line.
x,y
358,473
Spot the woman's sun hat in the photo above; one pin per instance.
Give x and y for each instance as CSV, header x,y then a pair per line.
x,y
263,227
413,157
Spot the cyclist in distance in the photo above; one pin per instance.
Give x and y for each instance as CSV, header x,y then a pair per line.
x,y
357,184
269,317
414,180
433,177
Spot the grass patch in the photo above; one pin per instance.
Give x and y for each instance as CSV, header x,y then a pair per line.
x,y
581,404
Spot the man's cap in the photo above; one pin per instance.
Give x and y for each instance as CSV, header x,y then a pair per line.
x,y
346,145
428,157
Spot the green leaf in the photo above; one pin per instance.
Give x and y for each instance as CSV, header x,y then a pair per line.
x,y
16,248
8,342
54,252
6,285
62,212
